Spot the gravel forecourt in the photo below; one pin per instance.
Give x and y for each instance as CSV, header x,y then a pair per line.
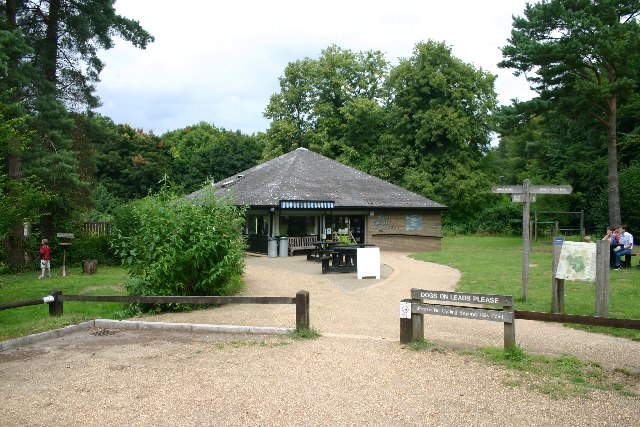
x,y
357,373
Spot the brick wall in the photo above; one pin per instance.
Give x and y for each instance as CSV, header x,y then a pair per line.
x,y
404,243
407,231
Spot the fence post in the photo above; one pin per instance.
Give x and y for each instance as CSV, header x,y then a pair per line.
x,y
509,329
602,277
557,285
406,324
302,310
55,307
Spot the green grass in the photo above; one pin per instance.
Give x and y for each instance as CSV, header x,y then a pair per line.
x,y
559,378
305,333
16,322
493,265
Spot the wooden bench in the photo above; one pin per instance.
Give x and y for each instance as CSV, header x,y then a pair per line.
x,y
300,243
626,260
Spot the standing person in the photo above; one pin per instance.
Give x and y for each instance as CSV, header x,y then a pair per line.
x,y
45,258
626,246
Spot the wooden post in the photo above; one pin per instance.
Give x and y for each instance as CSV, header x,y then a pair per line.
x,y
557,285
602,277
55,307
582,233
302,310
417,324
525,237
406,324
64,263
509,330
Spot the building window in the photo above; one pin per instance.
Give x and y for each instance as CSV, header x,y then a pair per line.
x,y
413,222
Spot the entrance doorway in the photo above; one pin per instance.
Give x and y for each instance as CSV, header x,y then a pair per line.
x,y
354,224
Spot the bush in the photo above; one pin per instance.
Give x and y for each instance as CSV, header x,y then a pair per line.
x,y
176,247
92,247
501,219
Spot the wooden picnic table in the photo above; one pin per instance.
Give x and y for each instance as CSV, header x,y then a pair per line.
x,y
342,258
321,248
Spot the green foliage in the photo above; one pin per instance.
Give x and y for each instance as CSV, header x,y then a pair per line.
x,y
92,247
180,247
503,218
203,153
129,163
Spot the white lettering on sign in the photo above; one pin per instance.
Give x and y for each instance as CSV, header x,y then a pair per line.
x,y
505,300
482,299
429,295
464,312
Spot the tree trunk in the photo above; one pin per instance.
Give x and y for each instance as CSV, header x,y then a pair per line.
x,y
615,218
51,47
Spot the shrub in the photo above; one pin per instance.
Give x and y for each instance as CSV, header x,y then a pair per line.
x,y
177,247
503,219
92,247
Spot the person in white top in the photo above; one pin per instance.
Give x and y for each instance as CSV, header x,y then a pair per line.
x,y
626,240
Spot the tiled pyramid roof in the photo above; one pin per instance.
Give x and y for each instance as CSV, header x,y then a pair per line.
x,y
304,175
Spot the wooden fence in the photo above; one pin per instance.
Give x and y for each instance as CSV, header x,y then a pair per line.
x,y
56,299
97,228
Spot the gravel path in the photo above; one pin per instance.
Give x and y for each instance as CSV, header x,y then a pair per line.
x,y
357,373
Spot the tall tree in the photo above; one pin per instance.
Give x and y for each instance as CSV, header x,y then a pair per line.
x,y
582,55
439,122
204,152
55,72
311,108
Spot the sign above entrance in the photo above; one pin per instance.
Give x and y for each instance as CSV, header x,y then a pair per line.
x,y
307,204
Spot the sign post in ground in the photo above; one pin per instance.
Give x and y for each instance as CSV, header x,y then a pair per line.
x,y
526,194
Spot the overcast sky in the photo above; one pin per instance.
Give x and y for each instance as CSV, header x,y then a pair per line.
x,y
219,62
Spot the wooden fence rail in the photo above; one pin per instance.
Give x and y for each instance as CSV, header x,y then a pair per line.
x,y
581,320
56,299
25,303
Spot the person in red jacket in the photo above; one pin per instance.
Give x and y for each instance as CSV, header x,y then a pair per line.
x,y
45,258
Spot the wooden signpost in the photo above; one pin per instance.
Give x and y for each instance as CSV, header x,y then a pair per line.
x,y
65,244
526,194
412,311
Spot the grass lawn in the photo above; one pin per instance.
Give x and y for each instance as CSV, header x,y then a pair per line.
x,y
493,265
16,322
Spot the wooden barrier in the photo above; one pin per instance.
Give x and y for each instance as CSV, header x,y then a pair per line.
x,y
412,311
56,299
609,322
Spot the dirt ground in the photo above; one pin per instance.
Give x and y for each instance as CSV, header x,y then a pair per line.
x,y
356,373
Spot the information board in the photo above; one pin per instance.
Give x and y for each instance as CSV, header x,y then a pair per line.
x,y
577,262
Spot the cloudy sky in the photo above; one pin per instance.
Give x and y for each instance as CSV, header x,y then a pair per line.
x,y
219,62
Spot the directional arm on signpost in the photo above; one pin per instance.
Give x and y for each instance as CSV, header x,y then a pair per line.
x,y
526,194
